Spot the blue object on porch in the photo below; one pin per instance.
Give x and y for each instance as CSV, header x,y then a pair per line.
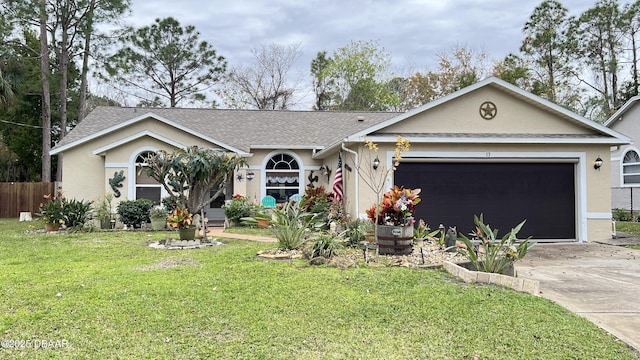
x,y
295,197
268,201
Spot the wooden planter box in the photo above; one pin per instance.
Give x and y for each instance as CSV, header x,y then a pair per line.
x,y
395,240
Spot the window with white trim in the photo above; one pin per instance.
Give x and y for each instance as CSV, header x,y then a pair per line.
x,y
631,168
146,186
282,177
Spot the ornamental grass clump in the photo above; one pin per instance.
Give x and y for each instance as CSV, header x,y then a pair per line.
x,y
488,254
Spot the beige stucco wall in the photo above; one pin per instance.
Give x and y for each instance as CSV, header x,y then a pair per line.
x,y
593,195
461,115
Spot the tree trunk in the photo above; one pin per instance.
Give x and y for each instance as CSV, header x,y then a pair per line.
x,y
85,62
46,99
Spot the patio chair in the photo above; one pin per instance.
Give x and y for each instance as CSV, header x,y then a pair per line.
x,y
295,197
268,201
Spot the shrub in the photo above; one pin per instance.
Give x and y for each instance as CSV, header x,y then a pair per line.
x,y
134,212
239,207
76,213
170,203
356,232
494,255
325,245
622,215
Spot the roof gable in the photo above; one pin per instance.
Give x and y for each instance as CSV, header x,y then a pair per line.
x,y
573,122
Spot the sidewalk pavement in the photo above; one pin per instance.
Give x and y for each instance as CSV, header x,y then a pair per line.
x,y
599,282
219,232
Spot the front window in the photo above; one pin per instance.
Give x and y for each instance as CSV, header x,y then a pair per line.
x,y
283,177
631,168
146,186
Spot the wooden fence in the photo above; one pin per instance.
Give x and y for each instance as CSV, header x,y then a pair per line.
x,y
18,197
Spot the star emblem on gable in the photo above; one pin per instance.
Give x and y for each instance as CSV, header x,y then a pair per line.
x,y
488,110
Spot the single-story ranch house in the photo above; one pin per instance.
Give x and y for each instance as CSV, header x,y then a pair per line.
x,y
490,148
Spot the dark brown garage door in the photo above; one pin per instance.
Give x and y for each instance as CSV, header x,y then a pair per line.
x,y
506,193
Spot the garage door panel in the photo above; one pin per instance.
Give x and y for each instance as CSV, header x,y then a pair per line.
x,y
505,193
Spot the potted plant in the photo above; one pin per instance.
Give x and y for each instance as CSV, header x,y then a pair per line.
x,y
52,211
423,232
181,219
158,216
394,218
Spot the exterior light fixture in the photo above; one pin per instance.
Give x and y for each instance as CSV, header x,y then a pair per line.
x,y
250,176
598,163
376,163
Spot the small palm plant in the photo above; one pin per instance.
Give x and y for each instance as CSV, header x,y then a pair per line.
x,y
494,255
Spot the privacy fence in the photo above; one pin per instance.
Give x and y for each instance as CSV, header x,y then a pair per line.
x,y
19,197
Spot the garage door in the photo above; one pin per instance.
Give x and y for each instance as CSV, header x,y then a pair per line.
x,y
506,193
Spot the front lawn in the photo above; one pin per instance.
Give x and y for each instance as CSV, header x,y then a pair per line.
x,y
106,295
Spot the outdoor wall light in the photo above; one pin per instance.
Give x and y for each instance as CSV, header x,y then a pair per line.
x,y
326,171
376,163
250,176
598,163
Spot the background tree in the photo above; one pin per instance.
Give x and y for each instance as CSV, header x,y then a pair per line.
x,y
265,84
546,50
165,60
597,37
357,78
321,82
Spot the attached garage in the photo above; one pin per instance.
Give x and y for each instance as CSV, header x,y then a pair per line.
x,y
494,149
505,192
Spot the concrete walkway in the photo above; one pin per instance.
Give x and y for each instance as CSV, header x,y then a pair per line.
x,y
219,232
599,282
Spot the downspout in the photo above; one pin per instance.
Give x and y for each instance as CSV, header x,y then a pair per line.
x,y
357,177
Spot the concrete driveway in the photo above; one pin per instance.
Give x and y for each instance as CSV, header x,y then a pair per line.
x,y
597,281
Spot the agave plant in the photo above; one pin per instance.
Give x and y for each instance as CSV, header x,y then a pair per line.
x,y
494,255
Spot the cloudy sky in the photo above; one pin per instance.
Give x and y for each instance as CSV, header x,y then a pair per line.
x,y
412,31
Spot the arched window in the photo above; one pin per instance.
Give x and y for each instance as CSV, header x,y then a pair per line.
x,y
631,168
146,186
283,177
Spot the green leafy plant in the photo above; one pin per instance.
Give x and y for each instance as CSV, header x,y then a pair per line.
x,y
493,255
325,245
52,210
102,211
76,213
239,207
423,231
291,225
158,212
356,232
134,212
180,218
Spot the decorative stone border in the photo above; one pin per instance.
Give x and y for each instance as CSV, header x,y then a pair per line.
x,y
529,286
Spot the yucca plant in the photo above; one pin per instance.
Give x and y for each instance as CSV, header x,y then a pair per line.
x,y
291,225
494,255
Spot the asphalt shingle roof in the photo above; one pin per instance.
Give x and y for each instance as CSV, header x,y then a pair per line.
x,y
241,129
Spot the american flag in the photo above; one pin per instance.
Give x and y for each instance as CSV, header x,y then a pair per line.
x,y
337,181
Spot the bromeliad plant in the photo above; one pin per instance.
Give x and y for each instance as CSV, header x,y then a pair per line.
x,y
291,225
396,208
491,254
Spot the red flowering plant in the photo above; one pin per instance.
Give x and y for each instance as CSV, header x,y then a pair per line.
x,y
396,208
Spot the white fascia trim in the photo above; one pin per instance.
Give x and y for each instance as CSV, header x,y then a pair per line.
x,y
581,173
141,118
116,165
301,147
133,137
599,216
491,140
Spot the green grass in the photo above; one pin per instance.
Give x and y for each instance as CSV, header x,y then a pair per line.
x,y
631,228
119,299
